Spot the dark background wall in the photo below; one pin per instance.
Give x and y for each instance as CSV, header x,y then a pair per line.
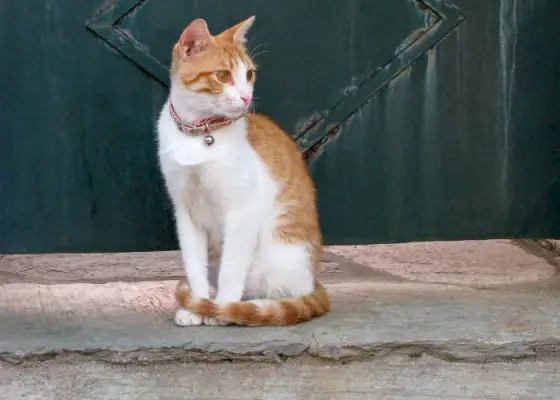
x,y
420,119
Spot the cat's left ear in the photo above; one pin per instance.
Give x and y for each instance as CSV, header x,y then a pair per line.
x,y
194,39
238,33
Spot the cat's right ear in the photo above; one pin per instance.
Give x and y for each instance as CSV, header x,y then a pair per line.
x,y
194,39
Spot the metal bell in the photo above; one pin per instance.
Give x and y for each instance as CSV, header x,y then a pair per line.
x,y
209,140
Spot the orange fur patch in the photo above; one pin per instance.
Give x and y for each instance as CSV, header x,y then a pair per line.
x,y
299,223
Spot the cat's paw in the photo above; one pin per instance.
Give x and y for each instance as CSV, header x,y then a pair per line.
x,y
210,321
184,317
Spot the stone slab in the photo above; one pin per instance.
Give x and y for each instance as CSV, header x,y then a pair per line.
x,y
131,323
138,267
393,378
480,263
487,264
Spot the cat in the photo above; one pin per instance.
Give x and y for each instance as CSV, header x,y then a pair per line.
x,y
242,197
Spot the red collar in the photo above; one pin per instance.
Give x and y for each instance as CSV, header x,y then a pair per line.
x,y
201,126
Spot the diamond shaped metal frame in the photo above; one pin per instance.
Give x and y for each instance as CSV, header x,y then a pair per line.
x,y
105,24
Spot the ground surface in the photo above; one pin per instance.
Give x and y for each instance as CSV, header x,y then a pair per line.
x,y
394,378
462,320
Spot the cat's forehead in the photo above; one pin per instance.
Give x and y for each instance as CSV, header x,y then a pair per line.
x,y
223,56
230,55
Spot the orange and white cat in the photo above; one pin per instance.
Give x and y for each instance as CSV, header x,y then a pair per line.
x,y
243,200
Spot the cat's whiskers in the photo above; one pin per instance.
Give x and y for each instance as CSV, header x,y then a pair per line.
x,y
253,52
250,42
253,56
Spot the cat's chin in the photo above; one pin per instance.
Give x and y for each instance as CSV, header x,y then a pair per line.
x,y
233,114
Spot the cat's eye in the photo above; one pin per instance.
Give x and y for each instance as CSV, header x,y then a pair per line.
x,y
224,76
250,75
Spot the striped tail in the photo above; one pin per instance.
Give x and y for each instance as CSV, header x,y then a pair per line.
x,y
289,311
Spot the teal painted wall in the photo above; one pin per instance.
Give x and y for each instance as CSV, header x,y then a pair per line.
x,y
421,120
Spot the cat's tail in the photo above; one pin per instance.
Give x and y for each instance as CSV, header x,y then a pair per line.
x,y
289,311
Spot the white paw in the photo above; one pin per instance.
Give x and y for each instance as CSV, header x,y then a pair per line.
x,y
184,317
214,322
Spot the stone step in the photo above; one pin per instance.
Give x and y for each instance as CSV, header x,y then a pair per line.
x,y
390,378
474,320
465,301
122,322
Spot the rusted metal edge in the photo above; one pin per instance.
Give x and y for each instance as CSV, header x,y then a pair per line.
x,y
321,132
105,25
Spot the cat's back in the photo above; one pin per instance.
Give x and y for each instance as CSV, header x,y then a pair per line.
x,y
276,148
263,131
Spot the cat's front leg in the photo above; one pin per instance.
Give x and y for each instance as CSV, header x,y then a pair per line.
x,y
240,241
193,242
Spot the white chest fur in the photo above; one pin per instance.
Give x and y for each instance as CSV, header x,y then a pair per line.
x,y
210,181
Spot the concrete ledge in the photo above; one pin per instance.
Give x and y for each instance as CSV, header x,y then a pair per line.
x,y
131,323
476,302
487,263
394,378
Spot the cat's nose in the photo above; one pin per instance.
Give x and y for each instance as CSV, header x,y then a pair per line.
x,y
246,99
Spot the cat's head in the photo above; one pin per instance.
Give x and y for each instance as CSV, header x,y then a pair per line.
x,y
215,72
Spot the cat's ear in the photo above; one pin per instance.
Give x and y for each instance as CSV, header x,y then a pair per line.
x,y
238,33
194,39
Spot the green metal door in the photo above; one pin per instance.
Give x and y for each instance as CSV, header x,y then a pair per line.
x,y
421,119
